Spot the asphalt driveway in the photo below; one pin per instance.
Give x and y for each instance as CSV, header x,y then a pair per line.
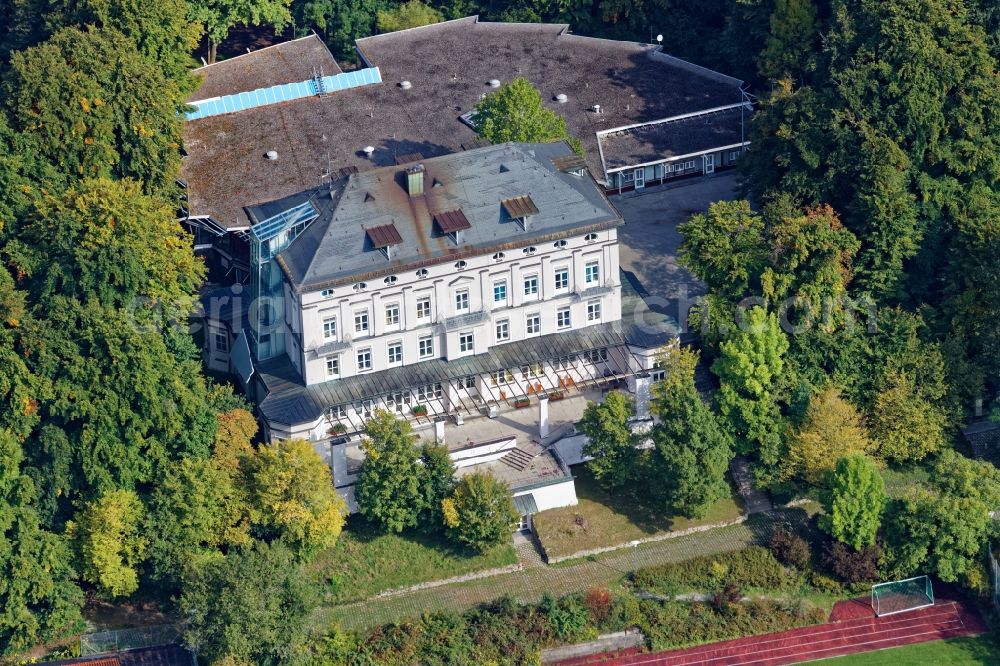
x,y
649,239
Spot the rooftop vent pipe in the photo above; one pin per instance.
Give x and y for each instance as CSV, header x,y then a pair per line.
x,y
561,98
369,151
405,85
271,155
596,108
494,83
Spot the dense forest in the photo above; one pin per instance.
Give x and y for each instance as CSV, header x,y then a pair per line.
x,y
875,177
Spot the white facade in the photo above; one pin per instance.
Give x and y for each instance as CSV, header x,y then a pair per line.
x,y
401,320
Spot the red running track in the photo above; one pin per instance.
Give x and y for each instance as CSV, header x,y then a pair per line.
x,y
947,619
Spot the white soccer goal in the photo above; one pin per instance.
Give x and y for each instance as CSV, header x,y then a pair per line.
x,y
899,596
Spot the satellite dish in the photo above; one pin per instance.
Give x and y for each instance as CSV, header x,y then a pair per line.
x,y
659,39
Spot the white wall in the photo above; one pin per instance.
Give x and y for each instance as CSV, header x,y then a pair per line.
x,y
553,496
440,285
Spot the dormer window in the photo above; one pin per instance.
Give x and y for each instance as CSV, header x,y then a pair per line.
x,y
520,209
452,223
530,250
384,237
560,244
498,257
460,265
590,238
361,286
422,272
392,279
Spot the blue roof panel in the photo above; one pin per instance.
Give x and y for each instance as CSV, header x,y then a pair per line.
x,y
282,93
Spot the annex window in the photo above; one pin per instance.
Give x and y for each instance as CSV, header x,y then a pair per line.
x,y
500,292
594,311
595,356
467,383
501,377
333,366
395,352
335,413
503,330
465,342
392,314
531,286
361,321
562,278
330,328
221,342
531,371
364,359
425,347
429,392
462,300
533,324
563,319
592,272
424,307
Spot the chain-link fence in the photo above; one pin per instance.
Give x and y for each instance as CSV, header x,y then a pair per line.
x,y
994,575
104,642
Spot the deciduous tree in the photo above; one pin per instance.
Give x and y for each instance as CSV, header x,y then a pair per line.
x,y
855,502
610,441
410,14
515,113
388,489
251,605
904,426
437,481
112,543
217,17
831,429
38,599
480,512
87,107
291,496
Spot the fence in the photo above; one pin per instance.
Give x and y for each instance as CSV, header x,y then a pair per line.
x,y
104,642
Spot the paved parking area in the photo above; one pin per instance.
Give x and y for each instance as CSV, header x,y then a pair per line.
x,y
649,239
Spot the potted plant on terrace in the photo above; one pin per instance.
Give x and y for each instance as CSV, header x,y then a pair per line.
x,y
336,429
419,410
521,401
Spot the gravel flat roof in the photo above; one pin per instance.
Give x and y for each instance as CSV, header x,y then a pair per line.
x,y
449,67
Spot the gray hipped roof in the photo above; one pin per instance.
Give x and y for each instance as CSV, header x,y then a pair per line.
x,y
338,248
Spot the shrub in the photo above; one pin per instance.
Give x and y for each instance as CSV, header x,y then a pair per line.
x,y
853,566
724,598
568,618
790,549
598,603
752,567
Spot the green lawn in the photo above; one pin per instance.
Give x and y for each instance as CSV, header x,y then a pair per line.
x,y
899,480
952,652
365,562
602,520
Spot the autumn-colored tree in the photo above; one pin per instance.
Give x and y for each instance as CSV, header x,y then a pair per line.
x,y
233,438
832,429
904,425
291,497
112,542
410,14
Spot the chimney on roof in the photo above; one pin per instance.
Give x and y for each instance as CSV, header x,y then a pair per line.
x,y
415,180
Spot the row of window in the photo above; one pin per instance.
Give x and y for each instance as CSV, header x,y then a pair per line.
x,y
466,341
362,323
